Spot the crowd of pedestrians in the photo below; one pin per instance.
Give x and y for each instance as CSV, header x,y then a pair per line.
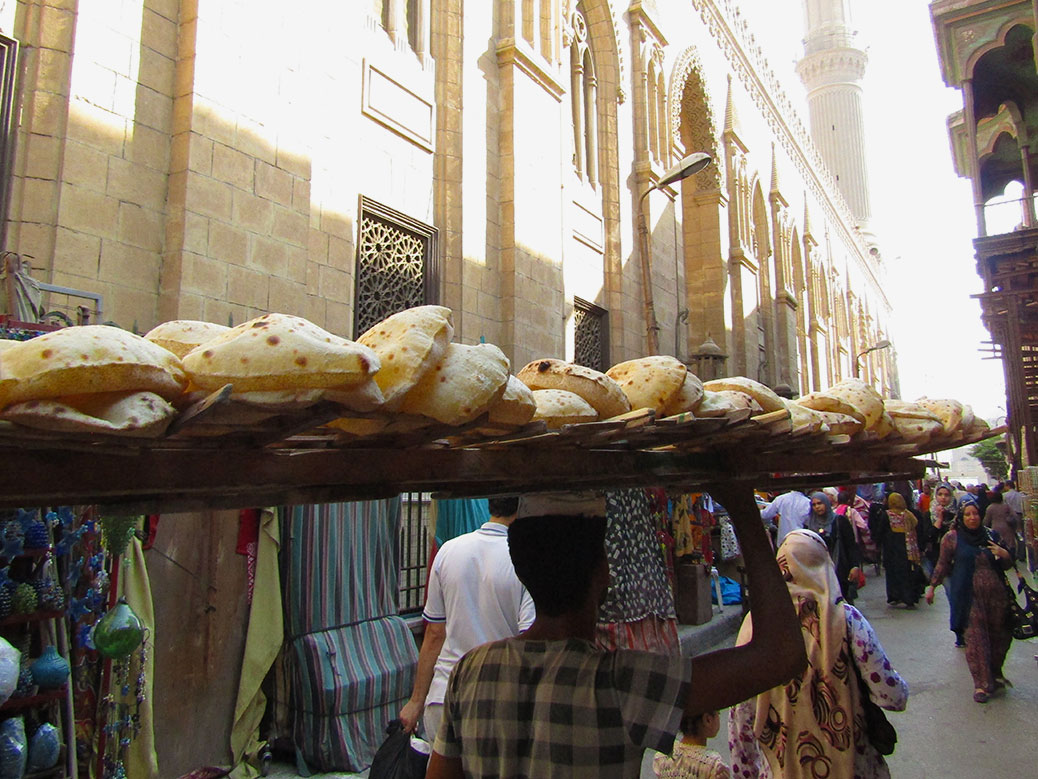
x,y
516,705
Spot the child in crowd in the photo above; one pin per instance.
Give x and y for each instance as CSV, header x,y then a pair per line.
x,y
691,759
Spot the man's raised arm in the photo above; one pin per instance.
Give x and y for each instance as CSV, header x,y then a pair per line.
x,y
776,652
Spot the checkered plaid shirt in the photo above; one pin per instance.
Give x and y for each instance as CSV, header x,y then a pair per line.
x,y
519,708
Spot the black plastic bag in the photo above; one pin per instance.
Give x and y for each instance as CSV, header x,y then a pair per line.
x,y
396,758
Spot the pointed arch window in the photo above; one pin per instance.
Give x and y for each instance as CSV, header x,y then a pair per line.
x,y
584,96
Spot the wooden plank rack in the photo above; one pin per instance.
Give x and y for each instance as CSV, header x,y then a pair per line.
x,y
217,455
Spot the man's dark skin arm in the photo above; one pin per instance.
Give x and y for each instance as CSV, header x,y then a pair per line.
x,y
776,652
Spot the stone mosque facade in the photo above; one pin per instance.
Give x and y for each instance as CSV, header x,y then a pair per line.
x,y
219,159
216,159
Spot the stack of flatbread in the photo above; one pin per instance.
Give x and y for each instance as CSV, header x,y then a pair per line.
x,y
90,379
566,393
426,379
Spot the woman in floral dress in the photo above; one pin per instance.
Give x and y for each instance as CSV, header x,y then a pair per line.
x,y
973,560
815,725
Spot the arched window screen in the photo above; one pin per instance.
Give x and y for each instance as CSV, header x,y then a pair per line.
x,y
584,94
396,264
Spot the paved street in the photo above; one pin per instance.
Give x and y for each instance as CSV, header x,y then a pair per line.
x,y
943,733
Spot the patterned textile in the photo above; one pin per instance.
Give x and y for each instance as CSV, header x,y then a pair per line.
x,y
814,726
351,658
987,636
651,634
638,585
886,688
690,761
692,525
902,522
544,708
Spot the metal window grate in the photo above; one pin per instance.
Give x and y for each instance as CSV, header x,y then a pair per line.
x,y
414,551
396,264
591,336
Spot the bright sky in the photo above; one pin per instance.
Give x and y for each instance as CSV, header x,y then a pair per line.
x,y
922,212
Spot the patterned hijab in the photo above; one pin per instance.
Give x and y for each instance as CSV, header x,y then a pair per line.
x,y
936,507
805,729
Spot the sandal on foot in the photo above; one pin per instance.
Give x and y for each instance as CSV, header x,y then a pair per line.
x,y
1002,682
980,696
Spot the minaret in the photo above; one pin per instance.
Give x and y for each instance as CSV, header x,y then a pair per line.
x,y
832,69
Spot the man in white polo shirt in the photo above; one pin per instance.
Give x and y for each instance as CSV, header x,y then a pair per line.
x,y
473,597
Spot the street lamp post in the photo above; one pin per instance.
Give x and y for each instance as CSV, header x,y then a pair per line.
x,y
884,344
690,165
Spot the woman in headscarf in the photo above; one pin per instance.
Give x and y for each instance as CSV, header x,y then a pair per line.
x,y
973,559
815,725
838,534
898,533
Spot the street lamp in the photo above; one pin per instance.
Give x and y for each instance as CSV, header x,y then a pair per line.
x,y
690,165
884,344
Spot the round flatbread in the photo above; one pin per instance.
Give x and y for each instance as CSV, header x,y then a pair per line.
x,y
133,414
805,420
862,396
279,352
86,359
598,389
714,404
687,398
408,344
465,383
562,407
765,397
515,407
821,401
915,430
649,382
906,409
180,336
841,424
947,410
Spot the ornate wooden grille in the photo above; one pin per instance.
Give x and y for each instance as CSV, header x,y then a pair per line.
x,y
591,336
395,264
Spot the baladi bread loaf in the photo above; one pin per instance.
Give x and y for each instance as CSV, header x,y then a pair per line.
x,y
908,409
465,383
279,352
715,404
805,420
861,396
687,398
947,410
408,344
649,382
361,397
821,401
562,407
599,390
765,397
180,336
515,407
917,430
136,414
86,359
6,344
841,424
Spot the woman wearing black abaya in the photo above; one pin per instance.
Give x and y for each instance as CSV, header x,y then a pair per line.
x,y
898,535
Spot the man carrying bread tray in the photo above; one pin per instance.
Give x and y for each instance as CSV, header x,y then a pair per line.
x,y
473,597
548,703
